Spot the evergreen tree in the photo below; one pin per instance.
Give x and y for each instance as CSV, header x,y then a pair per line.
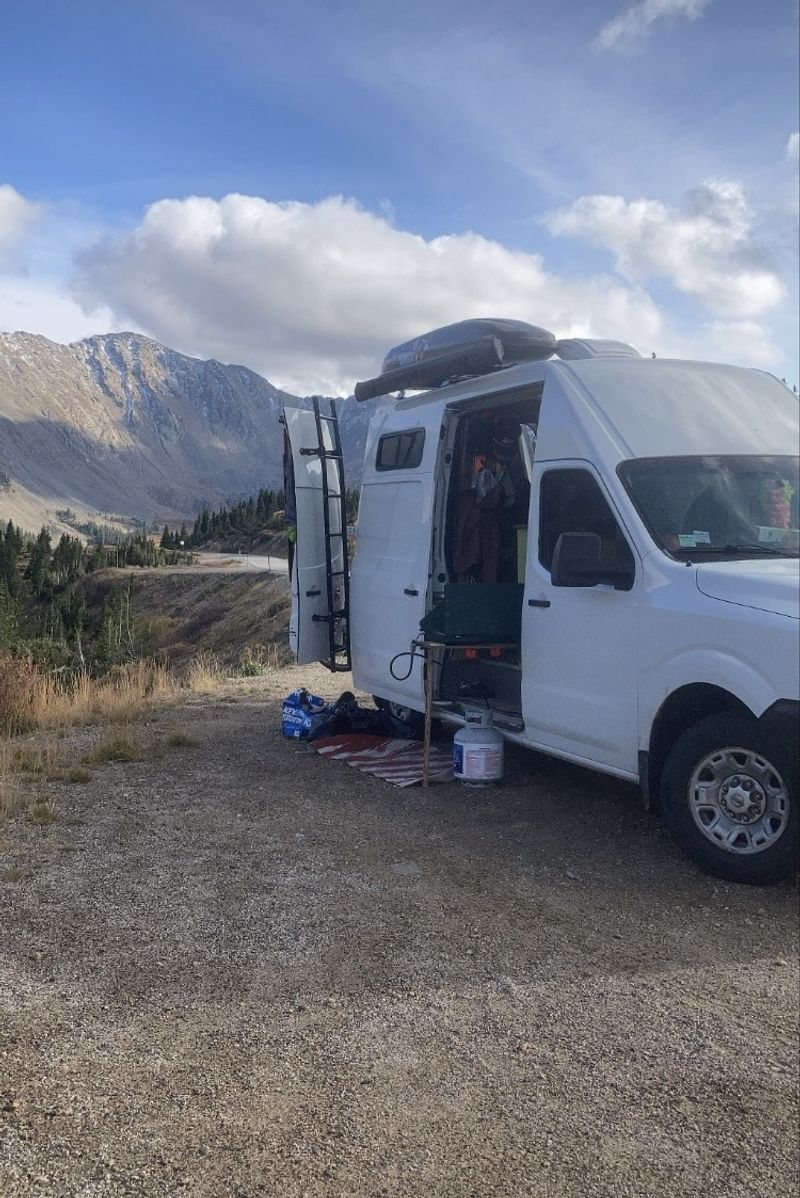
x,y
9,618
68,562
39,565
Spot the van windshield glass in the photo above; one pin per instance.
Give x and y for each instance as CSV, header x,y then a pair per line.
x,y
721,507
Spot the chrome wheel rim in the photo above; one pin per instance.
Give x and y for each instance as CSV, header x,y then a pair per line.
x,y
739,801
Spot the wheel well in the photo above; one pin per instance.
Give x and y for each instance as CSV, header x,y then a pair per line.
x,y
681,710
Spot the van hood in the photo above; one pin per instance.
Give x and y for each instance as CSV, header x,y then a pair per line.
x,y
767,584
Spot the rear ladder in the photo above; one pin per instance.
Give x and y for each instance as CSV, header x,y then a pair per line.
x,y
334,512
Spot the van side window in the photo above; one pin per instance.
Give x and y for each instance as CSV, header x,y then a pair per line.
x,y
571,501
400,451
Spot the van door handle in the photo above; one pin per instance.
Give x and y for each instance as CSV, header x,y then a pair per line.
x,y
410,591
538,603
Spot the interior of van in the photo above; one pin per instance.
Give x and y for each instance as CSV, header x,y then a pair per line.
x,y
480,548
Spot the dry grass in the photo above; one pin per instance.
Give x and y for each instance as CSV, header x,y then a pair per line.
x,y
30,699
72,773
42,812
121,745
28,759
38,758
264,659
26,769
204,675
77,775
18,680
179,740
9,788
47,706
118,697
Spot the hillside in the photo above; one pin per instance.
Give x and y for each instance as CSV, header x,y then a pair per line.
x,y
120,425
181,613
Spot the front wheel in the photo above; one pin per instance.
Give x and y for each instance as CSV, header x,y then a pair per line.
x,y
731,800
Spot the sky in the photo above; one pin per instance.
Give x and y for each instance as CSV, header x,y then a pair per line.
x,y
298,187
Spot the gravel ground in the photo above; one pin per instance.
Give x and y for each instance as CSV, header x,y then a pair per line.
x,y
235,969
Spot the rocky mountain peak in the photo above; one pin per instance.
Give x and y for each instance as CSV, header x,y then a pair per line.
x,y
119,424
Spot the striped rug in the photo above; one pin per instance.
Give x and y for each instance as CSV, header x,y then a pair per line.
x,y
396,761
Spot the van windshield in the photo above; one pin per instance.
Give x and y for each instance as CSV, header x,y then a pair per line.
x,y
722,507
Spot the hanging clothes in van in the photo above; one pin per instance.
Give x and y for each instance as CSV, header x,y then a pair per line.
x,y
476,548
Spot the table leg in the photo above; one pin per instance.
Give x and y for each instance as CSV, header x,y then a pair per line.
x,y
426,744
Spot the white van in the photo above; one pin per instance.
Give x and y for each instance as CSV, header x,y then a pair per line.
x,y
618,534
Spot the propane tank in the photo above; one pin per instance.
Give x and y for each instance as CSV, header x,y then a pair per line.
x,y
478,751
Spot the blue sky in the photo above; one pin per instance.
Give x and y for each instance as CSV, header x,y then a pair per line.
x,y
615,168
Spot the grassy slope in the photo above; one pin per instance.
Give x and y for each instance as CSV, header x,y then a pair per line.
x,y
183,613
266,541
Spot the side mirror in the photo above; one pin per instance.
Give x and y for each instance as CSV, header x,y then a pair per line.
x,y
577,563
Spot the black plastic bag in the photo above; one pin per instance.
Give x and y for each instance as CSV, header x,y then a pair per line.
x,y
347,716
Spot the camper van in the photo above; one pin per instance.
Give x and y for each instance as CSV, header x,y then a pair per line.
x,y
605,548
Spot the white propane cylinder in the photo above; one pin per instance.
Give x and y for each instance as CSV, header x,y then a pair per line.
x,y
478,751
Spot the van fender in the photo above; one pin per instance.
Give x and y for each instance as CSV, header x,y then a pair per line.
x,y
685,690
709,667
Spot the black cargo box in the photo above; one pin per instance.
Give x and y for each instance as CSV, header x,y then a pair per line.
x,y
472,613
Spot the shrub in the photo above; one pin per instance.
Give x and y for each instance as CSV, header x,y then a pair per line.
x,y
263,660
42,813
204,675
28,760
19,680
120,746
179,740
78,774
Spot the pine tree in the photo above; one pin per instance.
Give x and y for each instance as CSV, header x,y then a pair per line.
x,y
39,565
9,618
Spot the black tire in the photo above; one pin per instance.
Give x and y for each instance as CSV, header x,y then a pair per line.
x,y
777,859
413,720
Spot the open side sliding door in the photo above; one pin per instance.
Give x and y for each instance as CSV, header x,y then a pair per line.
x,y
319,625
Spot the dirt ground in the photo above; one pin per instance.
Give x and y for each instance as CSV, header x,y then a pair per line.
x,y
236,969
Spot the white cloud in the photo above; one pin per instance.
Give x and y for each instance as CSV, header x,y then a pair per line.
x,y
744,338
45,306
36,241
16,216
746,342
629,29
793,147
312,295
705,248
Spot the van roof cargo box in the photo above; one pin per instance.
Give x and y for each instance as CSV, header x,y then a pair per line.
x,y
469,347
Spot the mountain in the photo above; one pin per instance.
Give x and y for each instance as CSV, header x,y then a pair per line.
x,y
120,425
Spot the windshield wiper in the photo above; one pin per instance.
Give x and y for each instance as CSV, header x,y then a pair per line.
x,y
744,550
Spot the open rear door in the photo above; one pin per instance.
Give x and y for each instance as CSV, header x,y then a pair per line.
x,y
318,629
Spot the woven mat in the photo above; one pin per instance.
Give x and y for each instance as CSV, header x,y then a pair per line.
x,y
396,761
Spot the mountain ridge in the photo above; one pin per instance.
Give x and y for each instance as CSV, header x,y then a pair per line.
x,y
118,423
